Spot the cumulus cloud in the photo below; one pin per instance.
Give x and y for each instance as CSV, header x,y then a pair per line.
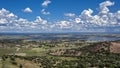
x,y
40,20
118,15
27,10
103,18
11,22
3,21
77,20
6,16
102,21
43,11
69,14
46,2
104,5
64,24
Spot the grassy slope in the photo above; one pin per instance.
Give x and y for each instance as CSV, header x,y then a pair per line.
x,y
4,51
26,64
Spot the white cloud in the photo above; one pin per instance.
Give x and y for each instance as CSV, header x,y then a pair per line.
x,y
103,18
39,20
43,11
86,21
10,22
6,16
46,2
64,24
27,10
3,11
77,20
3,21
69,14
87,13
11,15
118,14
104,5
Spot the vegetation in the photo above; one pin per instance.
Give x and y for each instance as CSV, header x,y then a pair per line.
x,y
58,54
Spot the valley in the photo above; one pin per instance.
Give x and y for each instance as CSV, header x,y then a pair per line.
x,y
59,53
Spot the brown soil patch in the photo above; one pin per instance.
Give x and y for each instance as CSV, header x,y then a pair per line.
x,y
115,47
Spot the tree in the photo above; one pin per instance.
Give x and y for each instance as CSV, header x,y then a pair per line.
x,y
20,66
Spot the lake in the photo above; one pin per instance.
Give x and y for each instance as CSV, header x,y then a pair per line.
x,y
61,36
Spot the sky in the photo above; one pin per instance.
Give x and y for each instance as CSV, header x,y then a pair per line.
x,y
60,16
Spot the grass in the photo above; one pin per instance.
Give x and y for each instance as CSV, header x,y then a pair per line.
x,y
29,52
25,63
7,64
0,63
33,51
5,51
37,50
